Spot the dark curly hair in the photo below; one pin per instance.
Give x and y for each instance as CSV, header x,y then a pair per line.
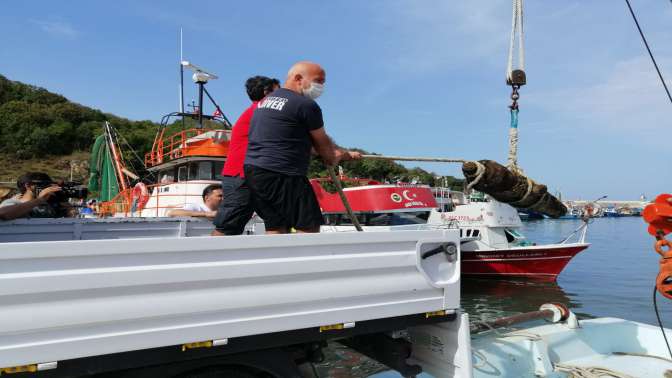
x,y
259,86
30,178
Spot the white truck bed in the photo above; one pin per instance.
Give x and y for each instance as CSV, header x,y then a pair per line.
x,y
63,300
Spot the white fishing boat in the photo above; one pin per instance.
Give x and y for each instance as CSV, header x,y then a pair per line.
x,y
180,164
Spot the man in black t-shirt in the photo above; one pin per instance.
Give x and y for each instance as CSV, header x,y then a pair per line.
x,y
286,125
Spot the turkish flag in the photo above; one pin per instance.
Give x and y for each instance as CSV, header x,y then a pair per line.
x,y
217,113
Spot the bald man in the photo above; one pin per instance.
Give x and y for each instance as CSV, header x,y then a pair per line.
x,y
286,125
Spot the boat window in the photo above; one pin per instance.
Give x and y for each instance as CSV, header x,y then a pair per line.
x,y
193,171
217,170
509,236
515,234
475,233
460,232
200,170
380,219
182,173
397,219
167,176
205,170
469,233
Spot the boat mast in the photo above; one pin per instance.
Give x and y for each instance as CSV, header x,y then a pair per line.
x,y
115,155
181,76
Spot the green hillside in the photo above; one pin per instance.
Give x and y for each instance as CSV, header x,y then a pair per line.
x,y
43,131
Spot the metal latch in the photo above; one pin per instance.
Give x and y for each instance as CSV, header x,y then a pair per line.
x,y
338,326
31,368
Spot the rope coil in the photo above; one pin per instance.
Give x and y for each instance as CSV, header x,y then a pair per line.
x,y
480,172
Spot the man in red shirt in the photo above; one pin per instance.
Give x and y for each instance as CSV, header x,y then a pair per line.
x,y
236,210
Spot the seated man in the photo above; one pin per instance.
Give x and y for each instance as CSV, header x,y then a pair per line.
x,y
212,197
38,198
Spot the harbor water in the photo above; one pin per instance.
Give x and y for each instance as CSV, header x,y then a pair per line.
x,y
614,277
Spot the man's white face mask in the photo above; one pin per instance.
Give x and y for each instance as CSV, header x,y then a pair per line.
x,y
314,90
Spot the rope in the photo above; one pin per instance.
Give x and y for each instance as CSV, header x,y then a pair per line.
x,y
414,158
480,172
589,372
516,31
641,355
513,141
530,184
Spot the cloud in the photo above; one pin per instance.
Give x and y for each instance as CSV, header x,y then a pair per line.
x,y
629,97
434,35
57,28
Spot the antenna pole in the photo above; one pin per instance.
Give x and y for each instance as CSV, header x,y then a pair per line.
x,y
200,103
181,76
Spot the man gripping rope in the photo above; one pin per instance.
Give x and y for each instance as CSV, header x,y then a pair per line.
x,y
286,125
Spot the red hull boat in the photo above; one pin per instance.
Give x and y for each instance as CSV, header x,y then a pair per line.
x,y
539,262
491,243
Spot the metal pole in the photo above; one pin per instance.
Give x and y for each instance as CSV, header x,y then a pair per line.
x,y
414,158
511,320
228,123
181,76
344,199
200,105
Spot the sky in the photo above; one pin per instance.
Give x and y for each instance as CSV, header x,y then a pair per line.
x,y
404,77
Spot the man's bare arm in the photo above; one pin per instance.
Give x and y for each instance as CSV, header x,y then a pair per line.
x,y
324,146
327,149
19,210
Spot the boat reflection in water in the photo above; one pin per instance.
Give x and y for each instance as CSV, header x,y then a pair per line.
x,y
489,299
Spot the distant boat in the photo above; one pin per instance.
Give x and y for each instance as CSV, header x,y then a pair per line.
x,y
530,215
611,212
572,213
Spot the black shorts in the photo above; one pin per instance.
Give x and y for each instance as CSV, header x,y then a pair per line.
x,y
283,201
236,209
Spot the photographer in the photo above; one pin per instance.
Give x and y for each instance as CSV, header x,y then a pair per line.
x,y
39,197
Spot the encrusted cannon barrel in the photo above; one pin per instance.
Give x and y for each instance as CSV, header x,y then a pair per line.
x,y
510,187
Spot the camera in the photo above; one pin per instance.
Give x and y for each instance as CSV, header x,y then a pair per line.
x,y
69,189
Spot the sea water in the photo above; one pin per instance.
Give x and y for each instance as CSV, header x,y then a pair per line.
x,y
614,277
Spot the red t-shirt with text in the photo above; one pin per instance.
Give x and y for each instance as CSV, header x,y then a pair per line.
x,y
238,144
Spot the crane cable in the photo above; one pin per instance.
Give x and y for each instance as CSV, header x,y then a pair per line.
x,y
648,49
662,80
515,77
517,33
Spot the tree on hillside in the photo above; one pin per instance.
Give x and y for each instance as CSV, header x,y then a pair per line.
x,y
35,123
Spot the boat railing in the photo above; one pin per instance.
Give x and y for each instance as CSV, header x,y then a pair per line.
x,y
190,142
580,234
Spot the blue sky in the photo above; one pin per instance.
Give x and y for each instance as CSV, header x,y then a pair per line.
x,y
404,77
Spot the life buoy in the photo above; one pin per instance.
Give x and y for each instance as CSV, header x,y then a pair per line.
x,y
139,197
